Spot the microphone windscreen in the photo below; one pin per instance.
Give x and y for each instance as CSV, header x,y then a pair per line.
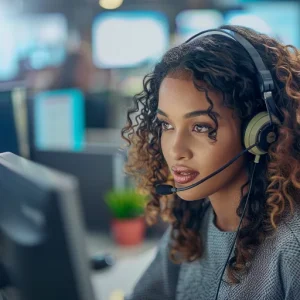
x,y
164,189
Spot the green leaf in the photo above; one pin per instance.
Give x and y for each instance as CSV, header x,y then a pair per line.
x,y
126,203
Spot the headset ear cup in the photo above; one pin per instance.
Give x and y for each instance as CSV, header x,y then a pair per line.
x,y
253,133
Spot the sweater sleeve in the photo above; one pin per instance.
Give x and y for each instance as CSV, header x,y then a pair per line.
x,y
291,274
160,278
290,259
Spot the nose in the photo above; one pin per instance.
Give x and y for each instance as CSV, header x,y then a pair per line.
x,y
180,147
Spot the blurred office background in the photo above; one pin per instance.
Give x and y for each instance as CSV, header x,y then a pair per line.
x,y
68,72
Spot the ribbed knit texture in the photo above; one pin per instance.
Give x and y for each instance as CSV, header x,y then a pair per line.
x,y
274,273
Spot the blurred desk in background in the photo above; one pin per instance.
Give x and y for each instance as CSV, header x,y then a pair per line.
x,y
100,136
130,264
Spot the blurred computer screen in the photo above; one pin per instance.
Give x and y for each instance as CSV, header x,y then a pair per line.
x,y
129,38
190,22
42,39
9,58
280,20
59,121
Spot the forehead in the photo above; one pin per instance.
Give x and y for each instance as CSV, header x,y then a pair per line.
x,y
180,95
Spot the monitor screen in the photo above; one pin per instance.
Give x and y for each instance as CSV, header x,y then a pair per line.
x,y
9,60
59,120
42,39
192,21
129,38
43,245
280,20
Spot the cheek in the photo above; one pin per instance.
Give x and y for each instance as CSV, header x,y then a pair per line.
x,y
213,155
164,144
206,152
225,149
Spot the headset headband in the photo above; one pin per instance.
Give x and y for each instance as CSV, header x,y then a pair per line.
x,y
264,77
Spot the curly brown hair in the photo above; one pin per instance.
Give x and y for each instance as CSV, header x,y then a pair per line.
x,y
224,66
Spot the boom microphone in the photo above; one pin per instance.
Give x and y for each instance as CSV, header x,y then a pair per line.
x,y
164,189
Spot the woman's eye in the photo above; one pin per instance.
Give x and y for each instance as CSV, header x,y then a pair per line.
x,y
201,128
165,125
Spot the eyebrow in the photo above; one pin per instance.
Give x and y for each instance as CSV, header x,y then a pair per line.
x,y
191,114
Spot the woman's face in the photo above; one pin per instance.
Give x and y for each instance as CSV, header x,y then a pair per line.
x,y
189,152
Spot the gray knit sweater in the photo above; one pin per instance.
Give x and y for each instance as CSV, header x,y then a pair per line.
x,y
274,274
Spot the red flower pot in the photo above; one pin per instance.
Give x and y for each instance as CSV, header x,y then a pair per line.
x,y
128,232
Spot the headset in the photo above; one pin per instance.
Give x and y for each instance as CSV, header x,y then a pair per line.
x,y
258,134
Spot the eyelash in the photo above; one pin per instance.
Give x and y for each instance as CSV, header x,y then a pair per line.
x,y
162,123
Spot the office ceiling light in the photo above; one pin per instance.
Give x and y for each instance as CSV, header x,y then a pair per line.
x,y
110,4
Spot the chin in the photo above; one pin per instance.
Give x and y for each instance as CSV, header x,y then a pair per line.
x,y
191,195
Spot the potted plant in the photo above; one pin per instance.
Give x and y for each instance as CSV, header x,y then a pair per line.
x,y
127,208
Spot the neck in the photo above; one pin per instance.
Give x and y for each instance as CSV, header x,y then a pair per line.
x,y
225,203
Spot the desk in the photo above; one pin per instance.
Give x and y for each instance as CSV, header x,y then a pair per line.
x,y
131,262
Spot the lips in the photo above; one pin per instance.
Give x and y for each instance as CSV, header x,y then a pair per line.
x,y
184,175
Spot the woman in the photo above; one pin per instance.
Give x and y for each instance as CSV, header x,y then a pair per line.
x,y
189,121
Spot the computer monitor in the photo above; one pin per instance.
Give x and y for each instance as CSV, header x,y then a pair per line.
x,y
278,19
98,169
43,245
9,60
146,43
59,120
191,21
41,39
